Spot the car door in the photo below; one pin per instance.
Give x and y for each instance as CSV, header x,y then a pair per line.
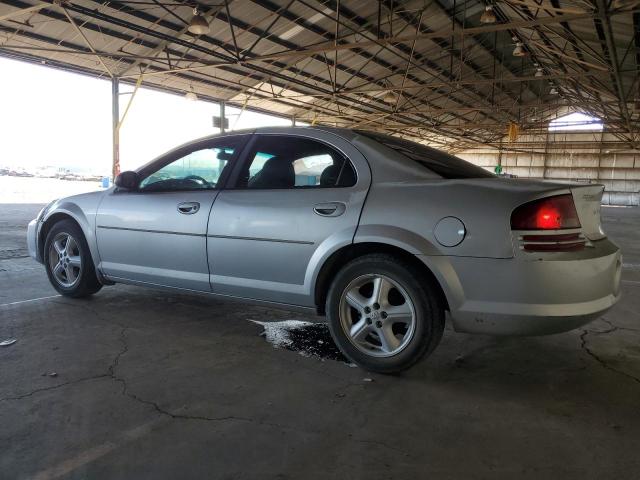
x,y
295,198
156,233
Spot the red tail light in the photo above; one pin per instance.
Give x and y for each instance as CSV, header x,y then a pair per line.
x,y
550,213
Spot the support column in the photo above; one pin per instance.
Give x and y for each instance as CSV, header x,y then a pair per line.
x,y
222,116
115,114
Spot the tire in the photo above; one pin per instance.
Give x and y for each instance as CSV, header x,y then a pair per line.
x,y
390,332
68,261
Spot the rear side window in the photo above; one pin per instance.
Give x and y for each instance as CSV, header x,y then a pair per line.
x,y
440,163
284,162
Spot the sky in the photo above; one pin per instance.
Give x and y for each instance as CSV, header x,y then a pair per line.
x,y
576,121
53,118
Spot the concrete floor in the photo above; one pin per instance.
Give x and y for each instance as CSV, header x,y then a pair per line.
x,y
156,385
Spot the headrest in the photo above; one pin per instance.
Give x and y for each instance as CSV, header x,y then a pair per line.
x,y
276,173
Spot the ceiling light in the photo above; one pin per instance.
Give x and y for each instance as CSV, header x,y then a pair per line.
x,y
198,24
553,91
191,95
539,72
519,51
389,97
488,16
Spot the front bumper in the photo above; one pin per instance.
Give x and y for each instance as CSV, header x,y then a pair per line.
x,y
534,294
33,229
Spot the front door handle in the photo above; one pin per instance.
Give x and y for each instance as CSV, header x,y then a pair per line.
x,y
188,208
330,209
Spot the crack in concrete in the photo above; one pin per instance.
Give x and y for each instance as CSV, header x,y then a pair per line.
x,y
602,362
384,445
162,411
54,387
111,374
156,406
178,416
90,309
612,327
615,327
108,374
116,359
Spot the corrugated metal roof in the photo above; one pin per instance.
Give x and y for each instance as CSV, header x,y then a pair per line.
x,y
452,79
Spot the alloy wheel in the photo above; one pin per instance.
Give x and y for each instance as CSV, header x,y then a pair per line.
x,y
377,315
65,260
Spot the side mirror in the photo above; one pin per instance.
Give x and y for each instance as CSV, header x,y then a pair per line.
x,y
128,181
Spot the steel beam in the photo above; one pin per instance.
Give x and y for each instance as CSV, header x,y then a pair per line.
x,y
87,42
604,16
326,47
22,11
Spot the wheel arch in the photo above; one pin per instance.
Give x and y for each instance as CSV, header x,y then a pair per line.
x,y
48,224
73,213
349,252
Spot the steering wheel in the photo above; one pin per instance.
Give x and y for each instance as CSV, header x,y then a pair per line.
x,y
198,179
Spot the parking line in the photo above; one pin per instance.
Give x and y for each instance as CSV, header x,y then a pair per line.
x,y
88,456
27,301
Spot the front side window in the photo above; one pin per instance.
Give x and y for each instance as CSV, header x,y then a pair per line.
x,y
198,170
277,162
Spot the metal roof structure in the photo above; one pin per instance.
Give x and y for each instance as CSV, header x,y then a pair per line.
x,y
426,69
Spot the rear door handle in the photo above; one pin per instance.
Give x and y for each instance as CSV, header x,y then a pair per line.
x,y
188,208
330,209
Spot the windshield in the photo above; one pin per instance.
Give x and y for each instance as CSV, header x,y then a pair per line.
x,y
441,163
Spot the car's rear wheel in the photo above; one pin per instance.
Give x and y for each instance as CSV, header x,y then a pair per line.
x,y
68,261
383,313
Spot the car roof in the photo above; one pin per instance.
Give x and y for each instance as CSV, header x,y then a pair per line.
x,y
341,132
344,133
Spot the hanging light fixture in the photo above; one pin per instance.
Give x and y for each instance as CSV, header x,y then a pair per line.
x,y
191,95
389,97
488,16
553,91
539,72
198,24
519,51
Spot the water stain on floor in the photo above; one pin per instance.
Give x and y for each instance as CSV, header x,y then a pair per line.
x,y
306,338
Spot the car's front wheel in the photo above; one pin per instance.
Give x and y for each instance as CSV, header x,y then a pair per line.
x,y
383,314
68,261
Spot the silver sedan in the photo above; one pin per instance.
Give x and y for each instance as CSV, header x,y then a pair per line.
x,y
384,236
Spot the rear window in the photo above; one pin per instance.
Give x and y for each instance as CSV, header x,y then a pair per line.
x,y
440,163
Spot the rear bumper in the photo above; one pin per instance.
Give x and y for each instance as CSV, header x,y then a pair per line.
x,y
527,319
32,240
533,294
